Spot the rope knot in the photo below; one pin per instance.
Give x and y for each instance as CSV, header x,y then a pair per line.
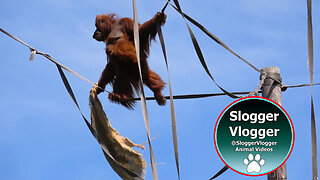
x,y
33,53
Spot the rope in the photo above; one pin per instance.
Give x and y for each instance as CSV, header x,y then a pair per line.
x,y
263,76
313,119
301,85
212,36
35,51
197,96
172,111
142,95
5,32
224,169
199,52
165,6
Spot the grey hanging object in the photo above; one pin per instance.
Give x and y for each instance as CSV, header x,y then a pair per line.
x,y
126,162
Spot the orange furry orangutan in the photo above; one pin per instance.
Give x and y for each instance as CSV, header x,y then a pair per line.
x,y
122,67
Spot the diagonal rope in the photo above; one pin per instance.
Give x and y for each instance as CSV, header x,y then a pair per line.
x,y
142,95
199,52
165,6
224,169
173,116
215,38
5,32
35,51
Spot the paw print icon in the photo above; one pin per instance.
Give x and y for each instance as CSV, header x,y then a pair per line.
x,y
254,163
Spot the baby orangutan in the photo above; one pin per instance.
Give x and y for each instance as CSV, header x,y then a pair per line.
x,y
122,66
